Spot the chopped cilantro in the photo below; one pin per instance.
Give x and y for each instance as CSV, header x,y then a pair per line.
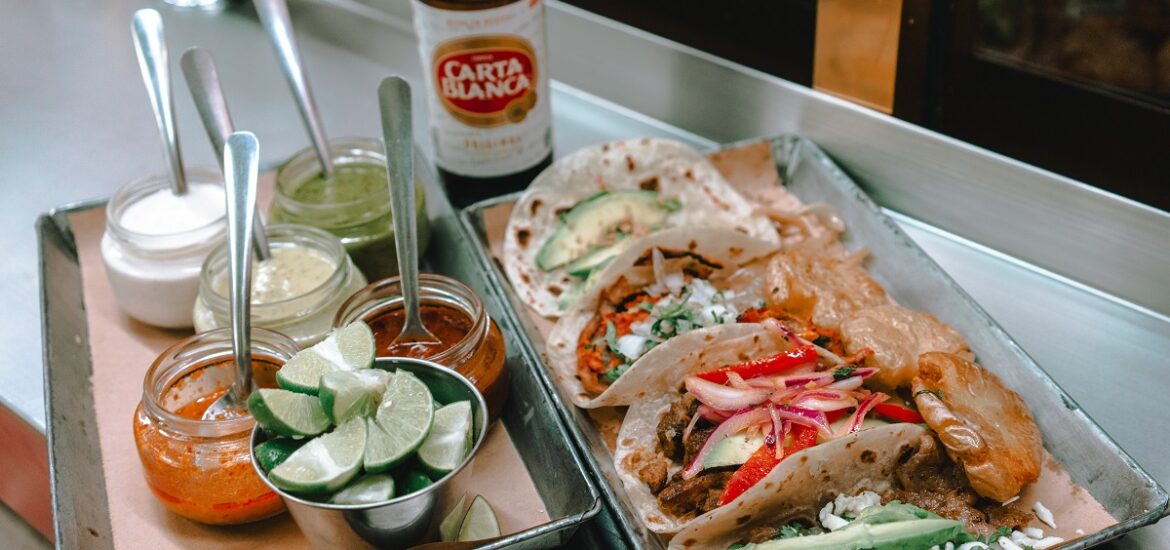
x,y
822,341
790,530
648,306
936,393
588,347
986,539
761,304
843,372
613,374
671,204
611,337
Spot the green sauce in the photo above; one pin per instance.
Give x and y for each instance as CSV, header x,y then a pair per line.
x,y
355,206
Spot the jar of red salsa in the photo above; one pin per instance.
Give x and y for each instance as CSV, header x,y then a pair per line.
x,y
201,469
471,342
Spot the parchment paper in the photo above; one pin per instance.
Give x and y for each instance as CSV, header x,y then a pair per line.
x,y
122,349
751,168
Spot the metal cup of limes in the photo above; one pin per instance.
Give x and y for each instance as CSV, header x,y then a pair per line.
x,y
426,425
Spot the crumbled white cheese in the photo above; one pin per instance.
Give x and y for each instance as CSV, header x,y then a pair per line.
x,y
1043,514
1007,544
674,282
1047,542
847,506
830,521
1080,531
1034,532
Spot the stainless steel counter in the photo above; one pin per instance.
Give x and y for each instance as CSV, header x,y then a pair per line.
x,y
1076,276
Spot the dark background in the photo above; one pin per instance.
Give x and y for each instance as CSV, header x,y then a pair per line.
x,y
1078,87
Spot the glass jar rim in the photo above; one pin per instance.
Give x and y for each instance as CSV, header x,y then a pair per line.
x,y
134,190
183,358
381,296
323,241
304,165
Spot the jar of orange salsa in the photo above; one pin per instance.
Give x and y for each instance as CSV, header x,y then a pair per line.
x,y
470,341
201,469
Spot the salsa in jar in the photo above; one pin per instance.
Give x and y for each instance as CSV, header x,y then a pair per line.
x,y
470,342
202,469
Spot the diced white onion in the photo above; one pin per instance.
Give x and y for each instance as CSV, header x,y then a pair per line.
x,y
1007,544
830,521
1044,514
1034,533
674,282
973,545
631,345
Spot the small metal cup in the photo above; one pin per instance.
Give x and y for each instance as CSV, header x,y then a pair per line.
x,y
398,522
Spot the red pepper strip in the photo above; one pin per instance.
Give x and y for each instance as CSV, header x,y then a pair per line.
x,y
833,416
767,366
898,412
762,461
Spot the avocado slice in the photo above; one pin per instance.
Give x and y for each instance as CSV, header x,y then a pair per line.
x,y
594,223
732,451
913,534
595,260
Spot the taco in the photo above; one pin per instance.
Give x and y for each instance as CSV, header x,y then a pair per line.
x,y
726,407
663,285
874,489
582,211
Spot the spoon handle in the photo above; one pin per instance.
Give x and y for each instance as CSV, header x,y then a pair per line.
x,y
394,99
277,23
203,81
147,28
241,158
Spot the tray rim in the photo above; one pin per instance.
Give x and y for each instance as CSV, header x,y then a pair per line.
x,y
54,226
471,218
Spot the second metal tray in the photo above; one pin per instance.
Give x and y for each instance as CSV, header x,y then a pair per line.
x,y
1089,455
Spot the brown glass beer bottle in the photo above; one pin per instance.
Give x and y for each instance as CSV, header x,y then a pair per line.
x,y
487,80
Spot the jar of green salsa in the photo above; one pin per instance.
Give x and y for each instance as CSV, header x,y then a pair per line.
x,y
354,205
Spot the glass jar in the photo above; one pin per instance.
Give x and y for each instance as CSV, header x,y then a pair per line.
x,y
153,269
357,212
202,470
306,317
479,355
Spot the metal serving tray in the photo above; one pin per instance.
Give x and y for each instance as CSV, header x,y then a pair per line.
x,y
1088,454
80,513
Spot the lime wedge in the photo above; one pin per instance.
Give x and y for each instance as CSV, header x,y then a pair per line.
x,y
449,441
413,480
345,394
480,522
347,348
403,420
287,413
273,452
449,527
367,490
324,464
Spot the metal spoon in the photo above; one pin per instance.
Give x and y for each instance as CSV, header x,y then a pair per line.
x,y
203,81
394,100
149,43
274,16
241,156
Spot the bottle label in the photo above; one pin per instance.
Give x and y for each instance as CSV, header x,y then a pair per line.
x,y
488,88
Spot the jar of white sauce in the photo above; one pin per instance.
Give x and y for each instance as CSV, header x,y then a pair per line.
x,y
155,242
296,292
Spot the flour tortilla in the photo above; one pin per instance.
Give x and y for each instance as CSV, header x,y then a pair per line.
x,y
658,385
677,171
802,484
726,247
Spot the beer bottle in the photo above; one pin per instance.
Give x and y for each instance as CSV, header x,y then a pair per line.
x,y
486,71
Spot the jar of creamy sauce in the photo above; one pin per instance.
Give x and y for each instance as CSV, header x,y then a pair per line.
x,y
202,469
156,241
297,291
470,341
354,205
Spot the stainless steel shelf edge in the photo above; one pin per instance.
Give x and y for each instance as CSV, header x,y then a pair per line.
x,y
80,516
1043,218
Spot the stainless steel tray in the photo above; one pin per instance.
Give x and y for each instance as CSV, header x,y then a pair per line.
x,y
1089,455
80,513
